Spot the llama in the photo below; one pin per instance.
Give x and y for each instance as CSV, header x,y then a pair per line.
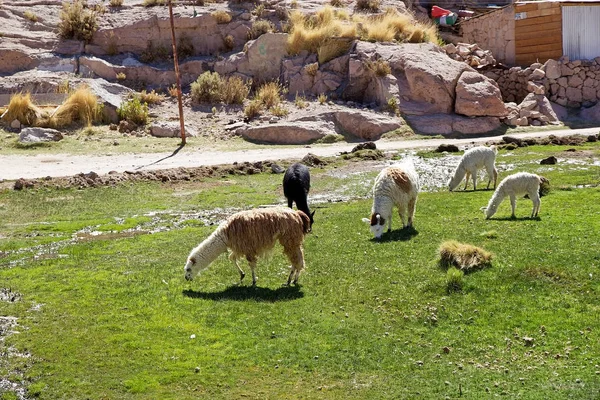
x,y
296,185
252,234
398,186
473,160
515,185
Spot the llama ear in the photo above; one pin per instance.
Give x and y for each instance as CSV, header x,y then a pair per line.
x,y
366,220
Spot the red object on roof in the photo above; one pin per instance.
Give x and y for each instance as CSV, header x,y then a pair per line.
x,y
437,12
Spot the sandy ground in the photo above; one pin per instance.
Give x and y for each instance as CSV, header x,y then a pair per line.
x,y
13,167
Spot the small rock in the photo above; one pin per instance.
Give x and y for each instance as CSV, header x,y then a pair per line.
x,y
197,369
277,169
450,148
16,124
528,341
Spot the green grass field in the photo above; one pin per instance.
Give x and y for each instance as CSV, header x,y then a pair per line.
x,y
104,311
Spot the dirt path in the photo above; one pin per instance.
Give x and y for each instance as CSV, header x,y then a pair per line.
x,y
39,166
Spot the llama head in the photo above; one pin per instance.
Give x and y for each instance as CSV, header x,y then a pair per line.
x,y
189,270
377,223
453,182
307,221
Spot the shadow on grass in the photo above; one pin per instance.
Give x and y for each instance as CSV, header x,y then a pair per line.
x,y
402,235
517,219
243,293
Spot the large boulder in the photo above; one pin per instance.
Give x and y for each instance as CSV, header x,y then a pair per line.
x,y
265,55
478,95
365,125
35,135
110,95
169,129
287,132
591,114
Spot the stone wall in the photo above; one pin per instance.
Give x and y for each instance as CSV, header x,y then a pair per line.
x,y
569,83
493,31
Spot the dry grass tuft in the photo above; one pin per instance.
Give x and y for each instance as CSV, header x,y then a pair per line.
x,y
300,101
229,42
269,94
379,67
395,26
336,3
222,17
312,33
253,109
260,27
210,87
463,256
322,98
81,105
21,108
151,98
235,90
312,69
115,3
368,5
30,16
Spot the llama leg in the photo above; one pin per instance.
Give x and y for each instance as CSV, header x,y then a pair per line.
x,y
535,198
495,177
402,214
296,257
513,204
252,263
237,264
475,181
390,223
467,176
411,211
290,202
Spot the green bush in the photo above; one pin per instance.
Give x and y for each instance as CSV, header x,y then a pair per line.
x,y
77,21
454,280
134,110
208,88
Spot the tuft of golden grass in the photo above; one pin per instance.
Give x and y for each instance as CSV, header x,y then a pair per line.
x,y
279,111
81,105
395,26
322,98
312,69
229,42
312,33
151,98
379,67
235,90
368,5
300,101
30,16
172,90
21,108
463,256
222,17
253,109
121,76
77,21
260,27
115,3
269,94
336,3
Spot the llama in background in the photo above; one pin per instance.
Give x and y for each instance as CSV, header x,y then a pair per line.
x,y
296,185
516,185
252,234
473,160
397,185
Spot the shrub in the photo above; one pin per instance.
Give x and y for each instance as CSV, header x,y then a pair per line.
x,y
154,53
322,98
185,48
392,105
395,26
454,280
21,108
30,16
121,76
229,42
207,88
260,27
259,10
152,3
465,257
311,33
333,48
133,110
115,3
279,111
77,22
336,3
172,91
222,17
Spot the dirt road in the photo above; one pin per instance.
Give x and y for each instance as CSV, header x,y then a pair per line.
x,y
13,167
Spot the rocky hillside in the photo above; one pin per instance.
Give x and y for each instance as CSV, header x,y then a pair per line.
x,y
370,83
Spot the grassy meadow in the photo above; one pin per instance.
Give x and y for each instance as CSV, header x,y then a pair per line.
x,y
104,312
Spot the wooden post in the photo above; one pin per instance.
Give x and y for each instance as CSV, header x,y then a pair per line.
x,y
177,77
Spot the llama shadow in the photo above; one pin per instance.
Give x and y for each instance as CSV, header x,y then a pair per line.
x,y
243,293
517,219
401,235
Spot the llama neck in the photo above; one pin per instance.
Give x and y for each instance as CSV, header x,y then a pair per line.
x,y
459,174
302,205
382,205
495,201
211,248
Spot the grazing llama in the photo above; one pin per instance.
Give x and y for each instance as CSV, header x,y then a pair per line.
x,y
296,185
251,234
473,160
516,185
398,186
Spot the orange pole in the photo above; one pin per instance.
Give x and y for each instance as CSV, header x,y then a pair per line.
x,y
177,77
